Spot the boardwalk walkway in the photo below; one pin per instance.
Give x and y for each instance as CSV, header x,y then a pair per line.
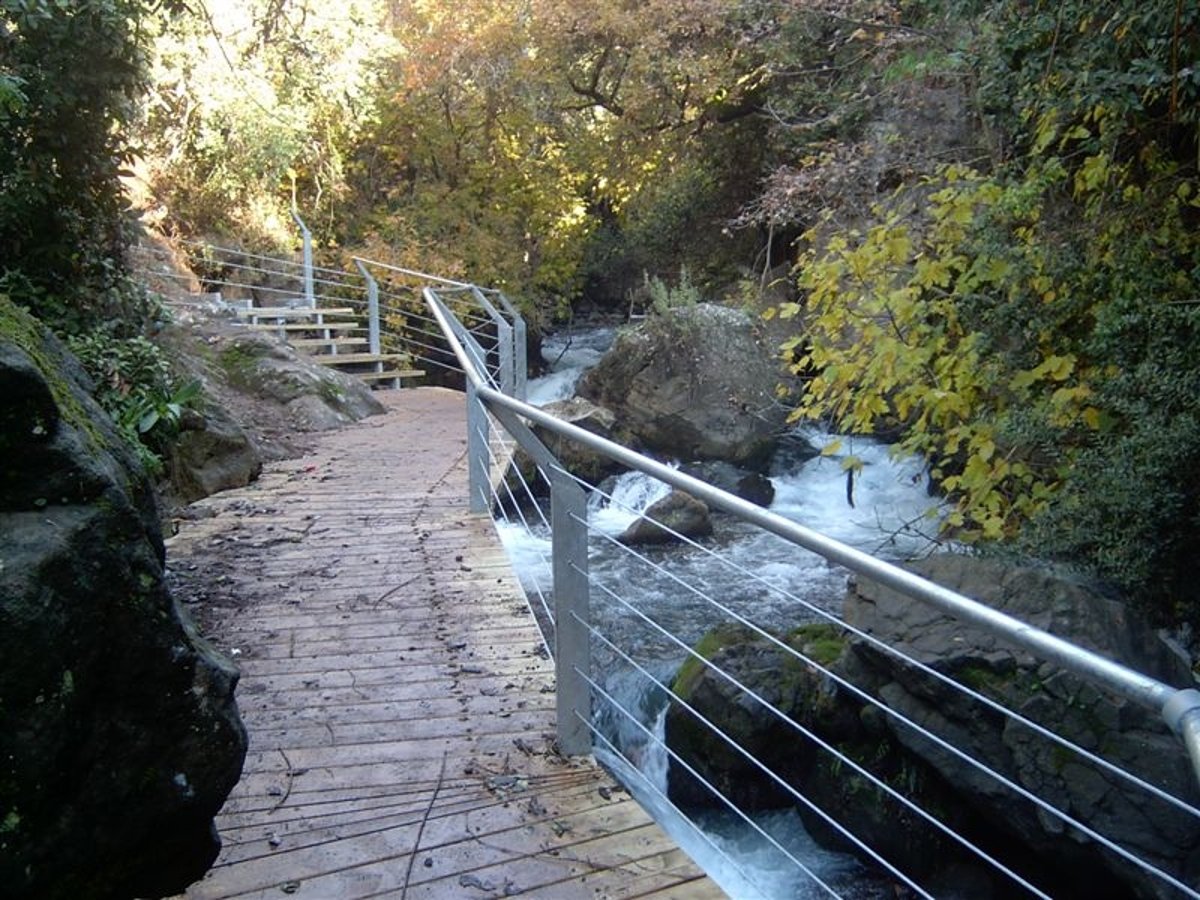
x,y
399,706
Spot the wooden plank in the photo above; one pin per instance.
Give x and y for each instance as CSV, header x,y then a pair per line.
x,y
325,343
398,700
340,326
292,312
390,373
347,358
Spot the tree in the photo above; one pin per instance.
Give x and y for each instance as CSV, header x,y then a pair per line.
x,y
71,75
256,102
1032,329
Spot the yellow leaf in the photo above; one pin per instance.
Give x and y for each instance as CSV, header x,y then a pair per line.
x,y
832,447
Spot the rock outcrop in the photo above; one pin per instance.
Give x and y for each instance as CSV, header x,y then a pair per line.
x,y
747,484
212,453
692,383
317,398
1029,839
258,399
119,735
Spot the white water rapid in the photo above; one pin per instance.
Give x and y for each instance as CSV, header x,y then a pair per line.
x,y
757,575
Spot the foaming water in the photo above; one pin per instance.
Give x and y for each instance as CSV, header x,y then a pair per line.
x,y
655,602
568,355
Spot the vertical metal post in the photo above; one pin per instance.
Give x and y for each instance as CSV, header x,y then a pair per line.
x,y
520,335
572,654
520,360
479,482
504,338
478,427
372,308
310,297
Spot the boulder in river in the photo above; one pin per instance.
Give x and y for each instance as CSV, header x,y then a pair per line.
x,y
119,735
668,520
745,483
693,383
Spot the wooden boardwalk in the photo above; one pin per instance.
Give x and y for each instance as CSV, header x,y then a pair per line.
x,y
399,704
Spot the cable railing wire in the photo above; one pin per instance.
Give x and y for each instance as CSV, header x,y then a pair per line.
x,y
842,758
983,768
544,601
733,807
1109,766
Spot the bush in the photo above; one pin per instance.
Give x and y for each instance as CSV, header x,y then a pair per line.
x,y
135,386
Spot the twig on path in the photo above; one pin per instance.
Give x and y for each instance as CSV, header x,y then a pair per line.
x,y
412,858
287,790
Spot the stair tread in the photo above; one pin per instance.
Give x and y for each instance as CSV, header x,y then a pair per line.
x,y
292,312
326,342
390,373
347,358
310,326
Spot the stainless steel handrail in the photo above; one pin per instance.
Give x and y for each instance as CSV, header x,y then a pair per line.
x,y
1178,707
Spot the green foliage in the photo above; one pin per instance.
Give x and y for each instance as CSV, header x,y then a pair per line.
x,y
665,297
70,77
1032,330
256,102
135,386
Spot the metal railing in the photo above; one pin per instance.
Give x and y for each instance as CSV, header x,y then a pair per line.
x,y
585,696
477,334
387,298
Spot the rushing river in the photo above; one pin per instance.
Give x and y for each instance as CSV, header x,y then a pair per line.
x,y
755,575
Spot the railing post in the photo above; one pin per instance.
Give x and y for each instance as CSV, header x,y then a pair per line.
x,y
572,654
520,339
504,340
310,297
479,481
372,308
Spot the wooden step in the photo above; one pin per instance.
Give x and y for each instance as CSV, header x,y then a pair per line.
x,y
290,312
322,343
351,325
389,374
346,359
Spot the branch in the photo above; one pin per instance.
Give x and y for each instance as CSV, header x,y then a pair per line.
x,y
592,91
879,26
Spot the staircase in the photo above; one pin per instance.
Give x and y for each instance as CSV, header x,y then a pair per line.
x,y
332,336
330,315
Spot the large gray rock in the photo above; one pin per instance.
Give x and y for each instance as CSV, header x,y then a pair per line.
x,y
1023,836
693,383
318,398
258,399
1126,734
212,453
524,484
119,736
669,520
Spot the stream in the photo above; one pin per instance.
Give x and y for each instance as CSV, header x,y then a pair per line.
x,y
757,576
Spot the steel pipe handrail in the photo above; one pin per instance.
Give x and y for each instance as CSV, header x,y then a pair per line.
x,y
1178,707
424,276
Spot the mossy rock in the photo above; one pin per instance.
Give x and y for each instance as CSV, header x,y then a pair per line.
x,y
119,738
